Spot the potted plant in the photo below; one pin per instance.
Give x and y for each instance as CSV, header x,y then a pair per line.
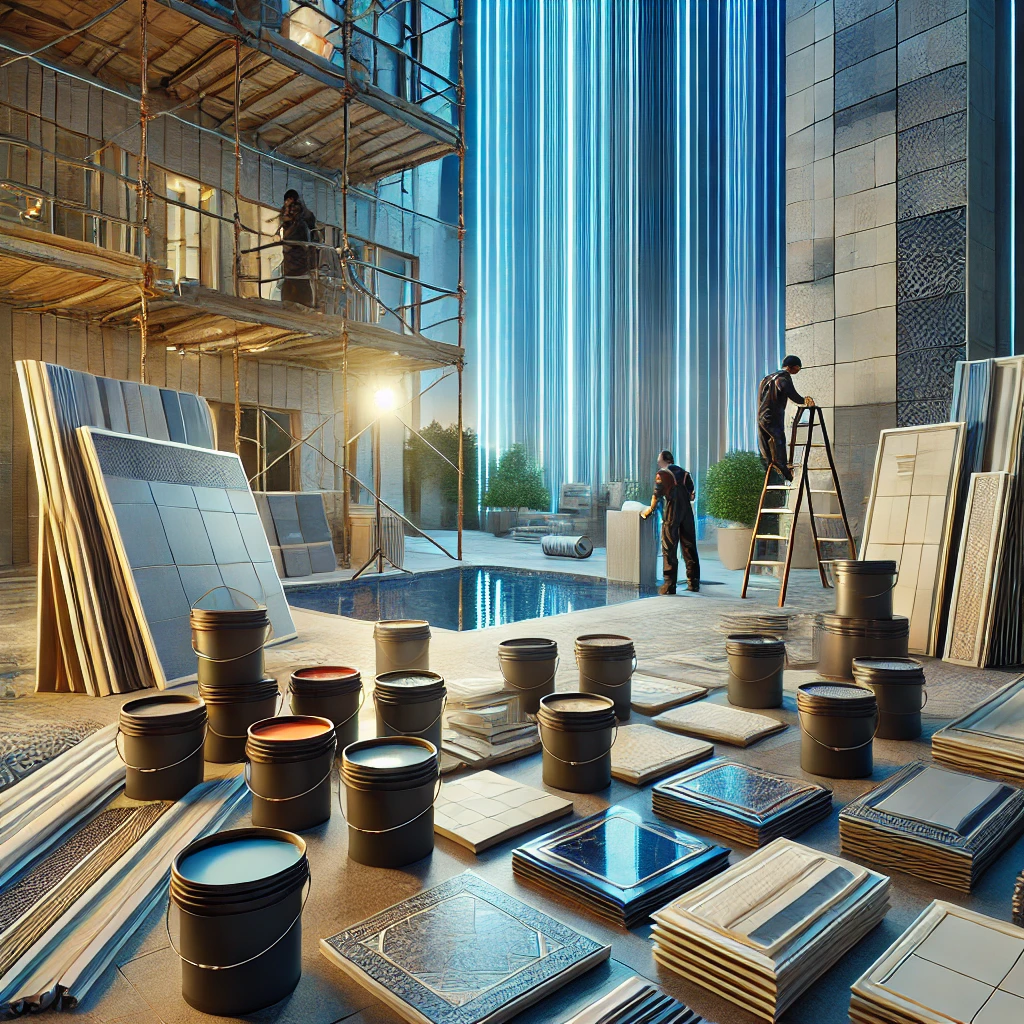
x,y
516,482
732,488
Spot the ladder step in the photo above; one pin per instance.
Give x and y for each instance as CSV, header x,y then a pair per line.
x,y
828,515
779,487
771,536
762,562
815,490
833,540
776,512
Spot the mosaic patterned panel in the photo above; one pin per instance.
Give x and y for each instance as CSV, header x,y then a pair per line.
x,y
932,144
931,255
848,12
928,52
873,119
941,188
937,95
866,38
23,749
920,414
931,323
927,374
920,15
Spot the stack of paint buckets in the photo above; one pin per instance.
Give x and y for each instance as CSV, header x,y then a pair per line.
x,y
239,900
756,664
577,731
606,662
161,743
863,625
228,635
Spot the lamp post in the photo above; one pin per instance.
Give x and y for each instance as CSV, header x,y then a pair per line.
x,y
384,400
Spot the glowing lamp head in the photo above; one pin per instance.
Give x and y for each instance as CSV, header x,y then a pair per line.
x,y
384,399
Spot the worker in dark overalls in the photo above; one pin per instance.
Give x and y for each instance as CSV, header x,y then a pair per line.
x,y
773,394
673,487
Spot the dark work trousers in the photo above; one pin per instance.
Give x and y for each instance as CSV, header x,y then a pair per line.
x,y
676,531
774,449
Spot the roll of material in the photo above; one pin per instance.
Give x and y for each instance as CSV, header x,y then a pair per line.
x,y
577,731
239,897
528,666
566,547
837,729
756,665
161,742
402,645
841,639
899,687
864,588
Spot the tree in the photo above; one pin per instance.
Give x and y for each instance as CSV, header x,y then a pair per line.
x,y
517,482
422,462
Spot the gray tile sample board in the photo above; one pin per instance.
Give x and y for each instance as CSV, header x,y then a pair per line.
x,y
179,521
297,529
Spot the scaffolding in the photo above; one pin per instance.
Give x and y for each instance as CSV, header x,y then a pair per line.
x,y
285,79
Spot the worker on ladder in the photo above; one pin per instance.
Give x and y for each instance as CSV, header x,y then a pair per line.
x,y
773,394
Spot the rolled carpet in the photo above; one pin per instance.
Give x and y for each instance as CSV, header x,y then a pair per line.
x,y
567,547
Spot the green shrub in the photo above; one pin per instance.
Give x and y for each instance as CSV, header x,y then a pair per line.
x,y
517,482
423,462
732,487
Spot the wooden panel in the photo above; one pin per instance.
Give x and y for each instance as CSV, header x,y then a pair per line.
x,y
94,350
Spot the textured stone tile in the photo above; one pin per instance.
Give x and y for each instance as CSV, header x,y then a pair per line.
x,y
819,383
800,184
800,70
870,77
824,64
867,335
931,255
866,248
866,382
927,374
800,148
885,160
866,38
823,97
824,138
797,8
813,343
808,303
824,258
915,16
824,20
855,172
798,221
799,262
918,414
847,12
865,122
860,427
937,48
932,144
824,218
940,94
937,322
865,210
800,110
823,175
800,33
941,188
860,290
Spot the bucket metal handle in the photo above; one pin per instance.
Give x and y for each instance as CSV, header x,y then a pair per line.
x,y
527,689
906,714
337,725
393,828
268,635
241,963
246,774
228,736
611,686
117,747
576,764
841,750
871,597
760,679
418,732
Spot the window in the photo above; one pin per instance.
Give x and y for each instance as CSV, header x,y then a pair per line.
x,y
192,239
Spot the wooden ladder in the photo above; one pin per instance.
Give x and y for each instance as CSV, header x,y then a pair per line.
x,y
802,487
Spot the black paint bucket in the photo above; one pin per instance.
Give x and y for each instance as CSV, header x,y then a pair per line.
x,y
841,639
577,731
390,788
528,666
898,686
231,711
239,898
410,704
837,729
864,588
606,663
161,744
402,645
756,664
329,691
229,629
290,760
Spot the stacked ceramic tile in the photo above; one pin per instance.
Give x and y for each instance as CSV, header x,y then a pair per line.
x,y
989,738
719,722
1017,904
641,753
462,952
768,623
939,825
762,932
298,532
741,803
139,517
649,694
484,809
636,1001
618,864
951,964
485,725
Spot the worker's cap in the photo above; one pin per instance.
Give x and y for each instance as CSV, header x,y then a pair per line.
x,y
291,194
791,361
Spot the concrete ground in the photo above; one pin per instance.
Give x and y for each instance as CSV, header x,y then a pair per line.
x,y
674,636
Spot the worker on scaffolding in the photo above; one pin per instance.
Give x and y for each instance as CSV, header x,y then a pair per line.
x,y
773,394
673,488
297,227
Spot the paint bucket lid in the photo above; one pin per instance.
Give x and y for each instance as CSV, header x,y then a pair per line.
x,y
604,645
888,670
402,761
239,694
576,712
528,648
878,629
408,687
402,629
238,866
846,700
326,680
290,737
865,567
754,645
162,713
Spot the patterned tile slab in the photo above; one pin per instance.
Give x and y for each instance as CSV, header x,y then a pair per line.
x,y
649,694
719,722
941,188
481,810
931,144
931,323
865,38
932,97
642,753
927,374
931,255
920,414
